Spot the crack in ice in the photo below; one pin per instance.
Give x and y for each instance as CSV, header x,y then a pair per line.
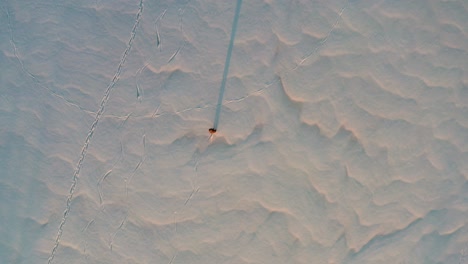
x,y
31,75
306,57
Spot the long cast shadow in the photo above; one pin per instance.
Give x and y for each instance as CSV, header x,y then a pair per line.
x,y
226,67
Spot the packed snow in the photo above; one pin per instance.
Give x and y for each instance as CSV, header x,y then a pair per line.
x,y
342,134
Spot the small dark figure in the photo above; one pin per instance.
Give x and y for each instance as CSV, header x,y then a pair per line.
x,y
212,130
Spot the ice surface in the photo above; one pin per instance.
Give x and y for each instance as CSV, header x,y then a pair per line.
x,y
342,138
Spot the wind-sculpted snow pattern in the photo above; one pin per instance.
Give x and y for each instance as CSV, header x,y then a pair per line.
x,y
343,135
91,131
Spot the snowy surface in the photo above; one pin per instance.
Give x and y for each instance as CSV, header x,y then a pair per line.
x,y
343,135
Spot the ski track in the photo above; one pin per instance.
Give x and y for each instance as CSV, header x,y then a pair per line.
x,y
115,80
266,86
90,134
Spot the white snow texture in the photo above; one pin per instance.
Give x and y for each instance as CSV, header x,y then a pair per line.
x,y
342,133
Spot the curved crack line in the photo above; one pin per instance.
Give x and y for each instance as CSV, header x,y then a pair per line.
x,y
266,86
158,36
113,235
90,134
306,57
127,180
31,75
172,259
337,21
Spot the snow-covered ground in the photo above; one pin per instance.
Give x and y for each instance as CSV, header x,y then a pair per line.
x,y
342,137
